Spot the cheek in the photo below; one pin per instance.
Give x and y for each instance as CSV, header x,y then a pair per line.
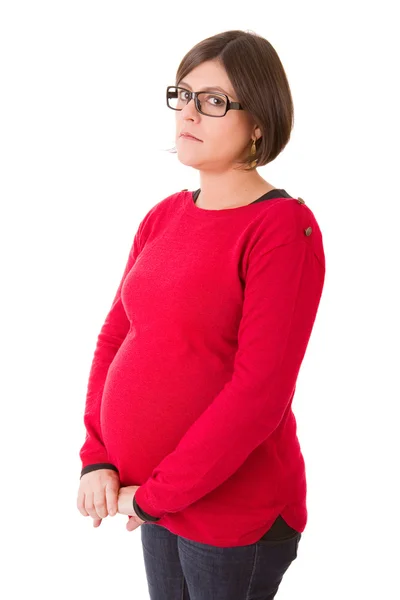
x,y
233,131
231,140
220,136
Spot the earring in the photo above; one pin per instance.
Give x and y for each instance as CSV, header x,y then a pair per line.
x,y
252,152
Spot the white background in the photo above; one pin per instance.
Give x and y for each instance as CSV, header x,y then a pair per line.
x,y
83,139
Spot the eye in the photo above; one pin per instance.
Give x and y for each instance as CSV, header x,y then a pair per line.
x,y
218,100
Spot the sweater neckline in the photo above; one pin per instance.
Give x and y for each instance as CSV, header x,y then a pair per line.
x,y
205,213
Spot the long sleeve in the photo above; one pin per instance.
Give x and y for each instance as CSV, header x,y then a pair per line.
x,y
93,453
282,292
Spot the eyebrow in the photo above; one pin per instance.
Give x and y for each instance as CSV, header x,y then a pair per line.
x,y
209,88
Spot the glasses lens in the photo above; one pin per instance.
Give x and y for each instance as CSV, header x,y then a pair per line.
x,y
211,104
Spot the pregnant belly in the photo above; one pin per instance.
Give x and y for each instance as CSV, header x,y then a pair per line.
x,y
150,399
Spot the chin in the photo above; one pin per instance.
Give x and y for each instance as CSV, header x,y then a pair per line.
x,y
190,162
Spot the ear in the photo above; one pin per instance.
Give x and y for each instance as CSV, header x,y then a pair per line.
x,y
257,132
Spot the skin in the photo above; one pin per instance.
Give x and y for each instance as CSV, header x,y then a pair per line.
x,y
224,141
100,495
125,497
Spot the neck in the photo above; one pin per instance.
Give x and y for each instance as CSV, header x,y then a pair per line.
x,y
227,190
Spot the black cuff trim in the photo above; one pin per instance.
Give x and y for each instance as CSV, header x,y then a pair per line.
x,y
141,514
97,466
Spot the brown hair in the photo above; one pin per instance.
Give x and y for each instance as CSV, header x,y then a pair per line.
x,y
260,83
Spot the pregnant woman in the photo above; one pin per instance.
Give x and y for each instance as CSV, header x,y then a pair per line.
x,y
189,420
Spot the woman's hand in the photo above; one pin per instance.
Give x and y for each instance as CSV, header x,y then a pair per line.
x,y
125,506
98,493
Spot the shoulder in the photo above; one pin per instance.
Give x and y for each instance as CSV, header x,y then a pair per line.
x,y
286,221
158,212
162,205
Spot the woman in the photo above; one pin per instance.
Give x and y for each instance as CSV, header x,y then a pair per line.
x,y
190,428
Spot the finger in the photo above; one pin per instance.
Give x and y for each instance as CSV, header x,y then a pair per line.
x,y
112,498
99,501
96,522
132,524
89,506
80,503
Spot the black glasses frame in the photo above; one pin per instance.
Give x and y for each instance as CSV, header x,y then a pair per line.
x,y
229,104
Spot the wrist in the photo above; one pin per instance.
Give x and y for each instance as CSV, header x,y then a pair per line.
x,y
141,514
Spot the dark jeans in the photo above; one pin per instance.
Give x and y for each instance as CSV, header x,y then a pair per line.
x,y
180,569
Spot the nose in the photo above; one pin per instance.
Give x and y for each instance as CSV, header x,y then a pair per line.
x,y
189,110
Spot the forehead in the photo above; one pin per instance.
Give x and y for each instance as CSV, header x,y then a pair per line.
x,y
208,76
204,88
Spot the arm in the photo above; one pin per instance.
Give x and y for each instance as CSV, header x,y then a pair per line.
x,y
281,297
93,453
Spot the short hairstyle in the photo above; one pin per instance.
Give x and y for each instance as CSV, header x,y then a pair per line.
x,y
260,84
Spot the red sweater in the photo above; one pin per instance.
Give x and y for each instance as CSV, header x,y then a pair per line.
x,y
193,377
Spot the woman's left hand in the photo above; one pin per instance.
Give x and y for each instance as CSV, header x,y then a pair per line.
x,y
125,506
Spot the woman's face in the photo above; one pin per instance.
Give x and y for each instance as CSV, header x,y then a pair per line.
x,y
223,139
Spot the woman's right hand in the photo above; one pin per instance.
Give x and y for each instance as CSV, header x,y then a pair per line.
x,y
98,494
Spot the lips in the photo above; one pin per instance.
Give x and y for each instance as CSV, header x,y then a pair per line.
x,y
190,137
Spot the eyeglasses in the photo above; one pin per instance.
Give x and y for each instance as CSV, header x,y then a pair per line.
x,y
207,103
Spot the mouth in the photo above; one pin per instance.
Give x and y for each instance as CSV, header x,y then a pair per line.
x,y
187,136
